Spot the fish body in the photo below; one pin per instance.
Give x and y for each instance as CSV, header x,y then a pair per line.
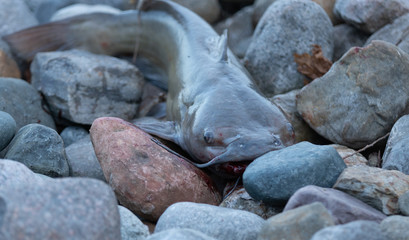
x,y
214,109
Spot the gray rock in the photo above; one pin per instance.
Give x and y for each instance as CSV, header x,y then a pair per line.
x,y
81,86
180,234
370,15
287,27
377,187
72,134
287,103
397,158
366,96
296,224
217,222
240,30
241,200
395,33
343,207
404,203
70,208
396,227
357,230
23,103
131,227
82,160
346,37
15,15
275,176
8,128
41,149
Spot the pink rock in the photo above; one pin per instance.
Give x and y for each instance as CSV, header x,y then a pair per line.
x,y
145,177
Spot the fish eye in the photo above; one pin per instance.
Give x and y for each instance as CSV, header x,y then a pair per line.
x,y
276,141
208,137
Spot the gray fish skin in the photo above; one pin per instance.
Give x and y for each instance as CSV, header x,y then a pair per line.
x,y
215,111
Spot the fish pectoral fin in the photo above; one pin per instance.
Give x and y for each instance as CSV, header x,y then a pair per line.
x,y
166,130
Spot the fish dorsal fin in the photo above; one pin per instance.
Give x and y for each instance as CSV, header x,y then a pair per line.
x,y
223,46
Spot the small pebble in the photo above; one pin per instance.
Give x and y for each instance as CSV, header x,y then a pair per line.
x,y
404,203
396,227
8,128
131,227
72,134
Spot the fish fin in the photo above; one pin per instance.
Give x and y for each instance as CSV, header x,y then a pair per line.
x,y
48,37
223,46
163,129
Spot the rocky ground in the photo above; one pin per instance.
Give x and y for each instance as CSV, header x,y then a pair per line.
x,y
73,166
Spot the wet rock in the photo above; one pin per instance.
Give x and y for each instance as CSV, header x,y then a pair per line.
x,y
396,227
346,37
366,96
131,227
404,203
287,103
15,16
82,160
81,86
23,103
396,154
352,231
296,224
240,29
8,67
370,15
69,208
78,9
142,173
217,222
355,159
8,128
287,27
72,134
179,233
275,176
342,206
395,33
209,10
241,200
375,186
41,149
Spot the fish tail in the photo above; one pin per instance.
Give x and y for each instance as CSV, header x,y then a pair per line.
x,y
48,37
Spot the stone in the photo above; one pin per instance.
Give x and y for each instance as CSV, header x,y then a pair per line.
x,y
395,33
179,233
275,176
396,227
366,96
403,203
287,103
41,149
72,134
8,67
296,224
355,159
370,15
356,230
241,200
131,227
44,208
15,16
398,133
216,222
82,160
19,99
240,30
397,156
377,187
142,173
343,207
81,86
347,37
209,10
79,8
286,28
8,128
